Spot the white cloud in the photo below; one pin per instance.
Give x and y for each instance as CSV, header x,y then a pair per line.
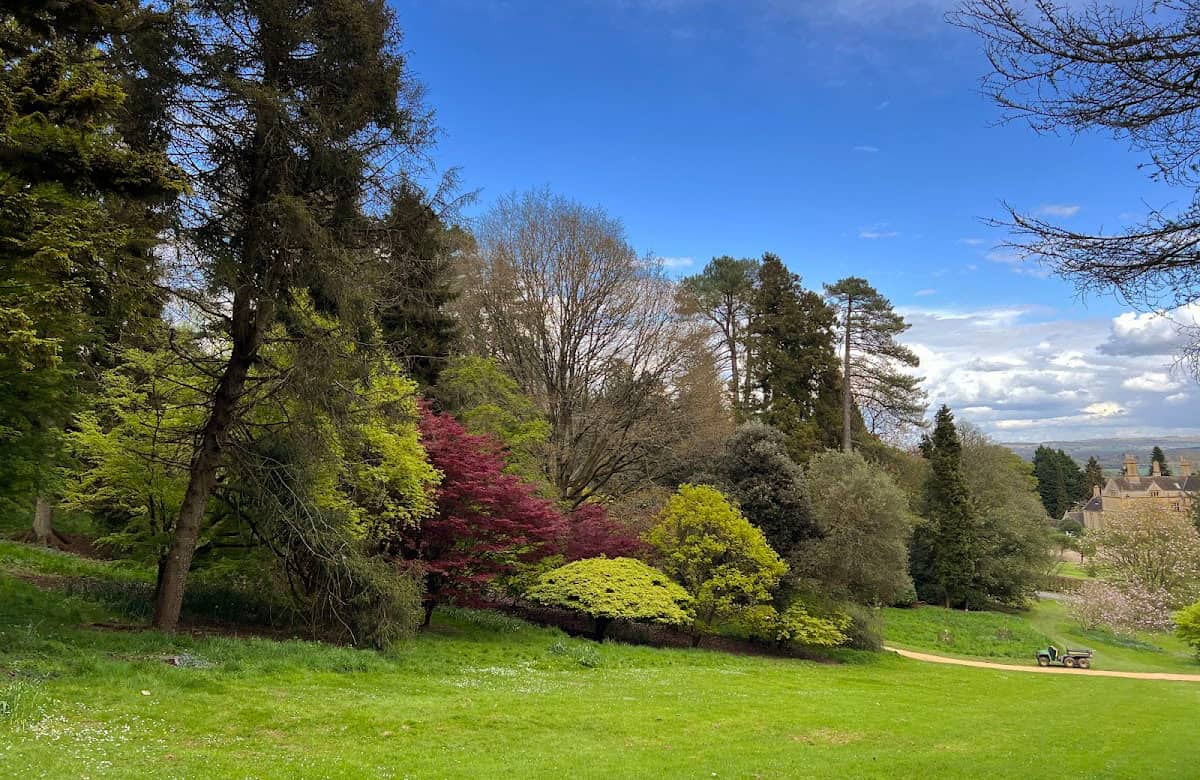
x,y
884,104
1151,333
1152,382
877,232
1026,373
865,149
925,292
1061,210
972,241
677,262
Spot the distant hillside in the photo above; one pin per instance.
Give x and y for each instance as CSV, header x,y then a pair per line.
x,y
1111,452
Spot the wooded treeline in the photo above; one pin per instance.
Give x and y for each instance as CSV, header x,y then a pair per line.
x,y
238,333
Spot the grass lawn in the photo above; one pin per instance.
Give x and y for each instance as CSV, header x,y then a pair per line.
x,y
1015,637
482,695
1071,569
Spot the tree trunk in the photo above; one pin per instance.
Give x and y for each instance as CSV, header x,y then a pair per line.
x,y
246,330
43,521
429,607
847,397
696,639
600,628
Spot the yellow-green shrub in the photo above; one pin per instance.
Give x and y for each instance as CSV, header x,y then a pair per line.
x,y
610,589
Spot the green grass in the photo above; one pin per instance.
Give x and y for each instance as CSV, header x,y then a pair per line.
x,y
1070,569
1014,638
482,695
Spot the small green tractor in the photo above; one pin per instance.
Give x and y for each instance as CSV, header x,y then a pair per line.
x,y
1075,659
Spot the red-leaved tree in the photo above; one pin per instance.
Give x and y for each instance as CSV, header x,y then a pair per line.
x,y
487,522
593,533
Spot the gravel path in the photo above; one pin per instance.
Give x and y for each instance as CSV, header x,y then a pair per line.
x,y
941,659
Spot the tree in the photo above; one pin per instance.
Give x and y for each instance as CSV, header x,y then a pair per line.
x,y
488,402
723,561
1152,547
946,546
700,414
1187,625
486,524
1129,70
592,533
419,285
1014,531
769,487
288,120
723,293
1093,477
609,589
1159,457
1060,483
587,329
78,217
864,526
1123,608
795,369
873,380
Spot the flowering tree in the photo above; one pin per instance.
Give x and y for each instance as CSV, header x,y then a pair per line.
x,y
1153,548
487,522
1121,608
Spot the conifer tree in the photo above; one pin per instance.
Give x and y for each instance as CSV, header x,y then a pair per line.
x,y
795,367
291,119
873,379
1093,476
1158,456
722,294
77,222
948,542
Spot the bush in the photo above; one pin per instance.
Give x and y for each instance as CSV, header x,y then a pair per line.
x,y
795,625
1187,625
610,589
865,630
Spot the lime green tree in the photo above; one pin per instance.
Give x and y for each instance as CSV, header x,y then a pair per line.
x,y
705,544
609,589
796,624
77,225
1187,625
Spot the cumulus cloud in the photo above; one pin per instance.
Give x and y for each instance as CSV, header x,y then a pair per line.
x,y
1027,373
677,262
1164,333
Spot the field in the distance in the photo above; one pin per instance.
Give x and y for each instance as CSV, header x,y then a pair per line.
x,y
486,696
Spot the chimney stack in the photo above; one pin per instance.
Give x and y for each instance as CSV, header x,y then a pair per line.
x,y
1095,491
1155,469
1185,467
1131,468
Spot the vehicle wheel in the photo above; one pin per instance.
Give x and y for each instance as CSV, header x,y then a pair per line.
x,y
1084,663
1043,660
1069,661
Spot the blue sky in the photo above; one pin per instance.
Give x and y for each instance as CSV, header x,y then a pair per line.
x,y
847,136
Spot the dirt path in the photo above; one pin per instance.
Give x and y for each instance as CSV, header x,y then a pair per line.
x,y
941,659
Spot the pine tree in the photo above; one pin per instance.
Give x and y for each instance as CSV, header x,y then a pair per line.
x,y
873,380
294,119
1060,481
722,294
950,539
1160,457
795,366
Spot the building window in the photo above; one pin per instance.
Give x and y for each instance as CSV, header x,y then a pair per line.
x,y
1153,494
1177,506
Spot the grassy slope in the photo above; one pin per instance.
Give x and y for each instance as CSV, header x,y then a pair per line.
x,y
1015,638
485,696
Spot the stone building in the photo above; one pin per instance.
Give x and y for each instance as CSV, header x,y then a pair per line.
x,y
1174,493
